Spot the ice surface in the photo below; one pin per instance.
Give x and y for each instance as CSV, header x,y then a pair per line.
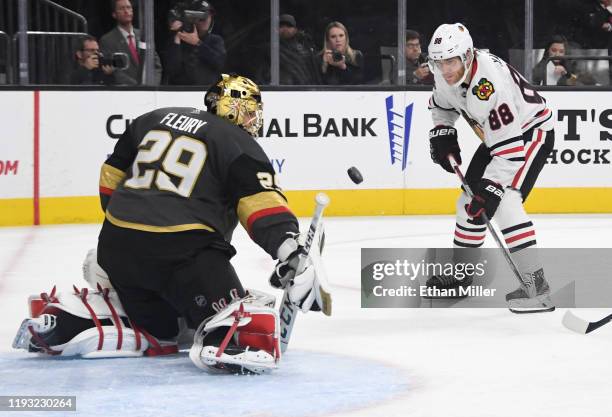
x,y
172,386
376,362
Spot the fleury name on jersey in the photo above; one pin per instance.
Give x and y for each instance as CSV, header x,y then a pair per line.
x,y
181,122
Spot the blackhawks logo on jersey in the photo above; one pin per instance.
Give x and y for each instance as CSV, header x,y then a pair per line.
x,y
484,89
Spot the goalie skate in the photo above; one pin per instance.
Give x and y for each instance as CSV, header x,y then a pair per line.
x,y
234,360
241,339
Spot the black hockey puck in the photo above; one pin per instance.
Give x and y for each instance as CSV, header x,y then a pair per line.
x,y
355,175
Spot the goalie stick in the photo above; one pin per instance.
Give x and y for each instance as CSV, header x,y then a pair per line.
x,y
545,308
580,325
288,310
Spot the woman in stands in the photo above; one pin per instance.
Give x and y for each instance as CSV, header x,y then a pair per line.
x,y
340,64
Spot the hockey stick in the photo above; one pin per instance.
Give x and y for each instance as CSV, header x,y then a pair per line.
x,y
288,310
580,325
529,289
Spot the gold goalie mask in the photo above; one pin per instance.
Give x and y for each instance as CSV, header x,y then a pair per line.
x,y
237,99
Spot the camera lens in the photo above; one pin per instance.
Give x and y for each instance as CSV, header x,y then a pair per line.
x,y
337,56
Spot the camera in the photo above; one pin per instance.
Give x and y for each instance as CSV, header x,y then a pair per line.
x,y
189,13
118,60
337,56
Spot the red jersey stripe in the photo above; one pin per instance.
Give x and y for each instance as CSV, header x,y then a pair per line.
x,y
106,191
263,213
510,150
529,152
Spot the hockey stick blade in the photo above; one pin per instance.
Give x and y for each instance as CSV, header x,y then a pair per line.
x,y
579,325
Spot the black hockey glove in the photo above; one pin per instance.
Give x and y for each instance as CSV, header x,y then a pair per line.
x,y
487,196
443,142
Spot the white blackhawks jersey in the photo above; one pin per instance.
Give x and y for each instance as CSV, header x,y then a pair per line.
x,y
500,103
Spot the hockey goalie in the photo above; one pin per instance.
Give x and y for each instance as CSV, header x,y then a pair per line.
x,y
174,189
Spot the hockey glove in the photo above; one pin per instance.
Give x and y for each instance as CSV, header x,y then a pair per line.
x,y
487,196
300,281
443,142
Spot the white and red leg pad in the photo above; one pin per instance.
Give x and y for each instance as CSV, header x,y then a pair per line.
x,y
105,332
250,344
93,273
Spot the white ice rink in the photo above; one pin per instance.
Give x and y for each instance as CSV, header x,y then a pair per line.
x,y
359,362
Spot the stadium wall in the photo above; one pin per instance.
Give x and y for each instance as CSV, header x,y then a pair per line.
x,y
53,143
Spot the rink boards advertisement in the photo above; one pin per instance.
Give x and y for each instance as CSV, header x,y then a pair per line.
x,y
54,142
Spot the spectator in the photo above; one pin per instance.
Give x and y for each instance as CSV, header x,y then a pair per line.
x,y
556,71
597,24
417,70
297,59
124,38
195,56
89,71
341,64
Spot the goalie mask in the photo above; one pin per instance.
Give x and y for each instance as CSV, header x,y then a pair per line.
x,y
450,41
238,100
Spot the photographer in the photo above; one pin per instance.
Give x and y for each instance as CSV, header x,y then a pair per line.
x,y
89,70
195,56
341,64
417,70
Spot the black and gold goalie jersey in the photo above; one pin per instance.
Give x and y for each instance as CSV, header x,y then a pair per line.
x,y
183,169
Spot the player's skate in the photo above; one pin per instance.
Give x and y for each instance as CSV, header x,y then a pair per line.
x,y
447,286
537,297
241,339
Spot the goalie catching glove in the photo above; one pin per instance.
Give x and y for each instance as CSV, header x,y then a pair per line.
x,y
296,273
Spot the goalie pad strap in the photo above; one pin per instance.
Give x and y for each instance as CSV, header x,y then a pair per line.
x,y
50,298
44,345
136,333
237,316
83,296
116,318
155,348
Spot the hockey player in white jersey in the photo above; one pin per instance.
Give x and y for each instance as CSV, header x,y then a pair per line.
x,y
515,126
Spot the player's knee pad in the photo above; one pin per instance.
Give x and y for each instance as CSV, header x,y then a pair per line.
x,y
242,338
86,323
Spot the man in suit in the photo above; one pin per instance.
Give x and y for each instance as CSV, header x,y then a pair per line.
x,y
124,38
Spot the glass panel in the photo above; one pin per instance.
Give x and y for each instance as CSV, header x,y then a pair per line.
x,y
495,25
572,29
245,28
369,25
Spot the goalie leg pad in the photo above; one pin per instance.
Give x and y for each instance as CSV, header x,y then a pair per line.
x,y
93,273
243,338
86,323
